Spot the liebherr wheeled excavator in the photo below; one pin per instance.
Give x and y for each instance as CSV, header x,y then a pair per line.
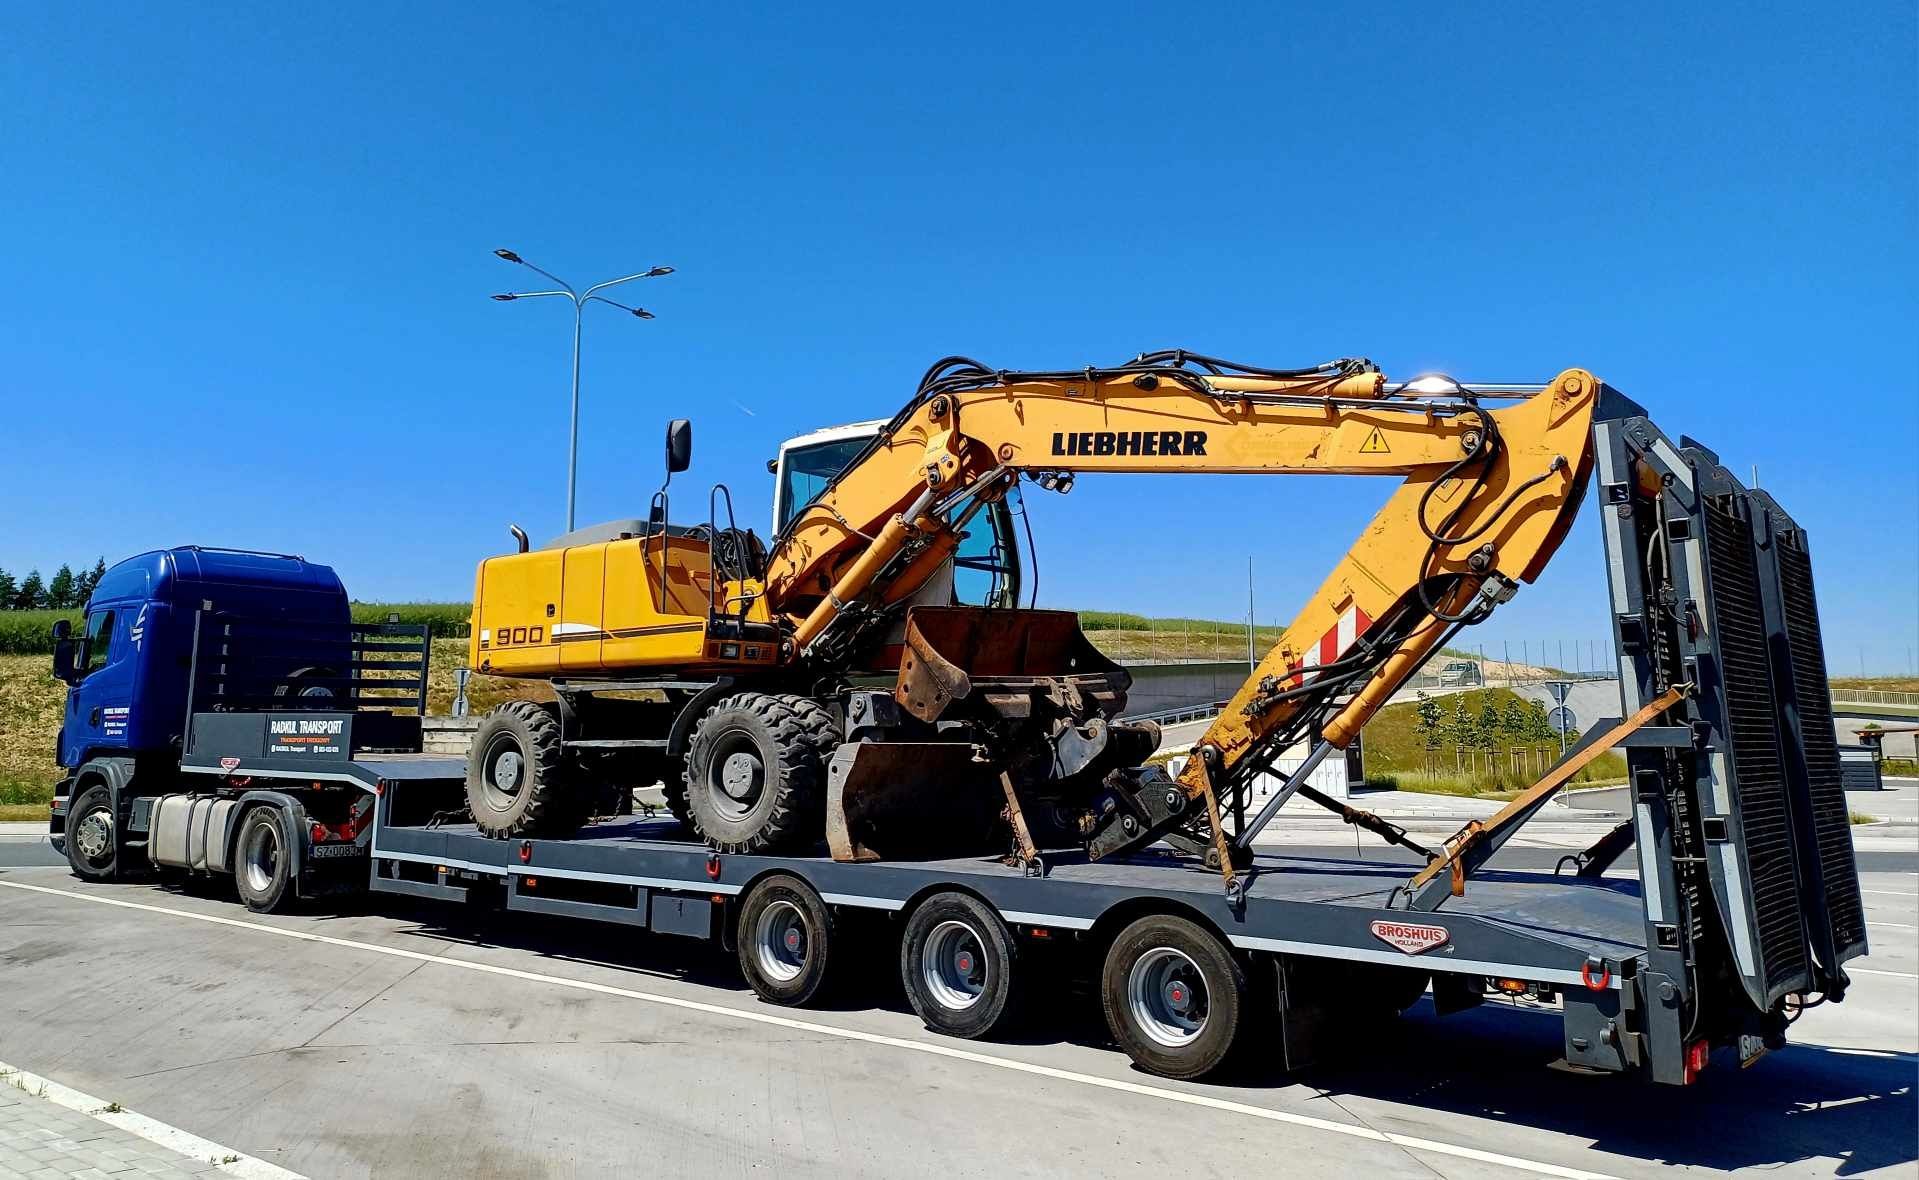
x,y
834,683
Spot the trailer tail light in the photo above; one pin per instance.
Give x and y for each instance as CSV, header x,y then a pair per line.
x,y
1698,1054
1512,987
317,831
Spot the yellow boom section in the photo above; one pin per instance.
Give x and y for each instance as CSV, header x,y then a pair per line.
x,y
1486,496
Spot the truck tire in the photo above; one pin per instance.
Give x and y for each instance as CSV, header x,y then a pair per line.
x,y
673,793
516,776
961,967
756,773
263,861
93,835
1175,998
786,942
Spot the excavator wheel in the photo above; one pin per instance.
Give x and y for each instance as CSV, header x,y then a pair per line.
x,y
756,772
517,782
673,791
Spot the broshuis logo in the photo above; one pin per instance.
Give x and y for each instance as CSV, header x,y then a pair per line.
x,y
1404,936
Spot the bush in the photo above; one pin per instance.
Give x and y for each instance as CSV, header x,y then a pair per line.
x,y
444,620
30,632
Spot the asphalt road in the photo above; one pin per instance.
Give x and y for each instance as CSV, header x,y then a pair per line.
x,y
400,1039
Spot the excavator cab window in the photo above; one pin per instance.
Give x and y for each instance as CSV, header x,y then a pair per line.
x,y
807,470
986,564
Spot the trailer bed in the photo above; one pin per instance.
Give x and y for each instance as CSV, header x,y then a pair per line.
x,y
1525,925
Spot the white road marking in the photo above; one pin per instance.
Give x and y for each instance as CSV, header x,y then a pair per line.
x,y
1407,1142
152,1130
1892,893
1890,926
1870,971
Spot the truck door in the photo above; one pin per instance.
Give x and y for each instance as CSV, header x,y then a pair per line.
x,y
100,703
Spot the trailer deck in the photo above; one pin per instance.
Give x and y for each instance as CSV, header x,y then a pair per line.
x,y
1538,927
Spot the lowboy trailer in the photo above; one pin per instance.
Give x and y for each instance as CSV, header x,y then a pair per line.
x,y
280,751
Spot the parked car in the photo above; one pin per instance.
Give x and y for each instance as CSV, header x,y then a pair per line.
x,y
1461,674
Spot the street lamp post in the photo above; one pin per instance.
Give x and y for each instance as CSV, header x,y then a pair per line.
x,y
579,300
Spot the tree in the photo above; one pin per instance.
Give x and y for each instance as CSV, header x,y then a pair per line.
x,y
1486,734
8,589
1539,726
32,593
90,581
1516,721
1428,723
60,590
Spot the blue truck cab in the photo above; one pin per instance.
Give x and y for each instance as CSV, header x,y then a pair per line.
x,y
129,664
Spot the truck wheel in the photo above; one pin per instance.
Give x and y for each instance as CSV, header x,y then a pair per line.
x,y
93,836
756,773
516,779
263,861
785,938
1175,997
673,792
961,967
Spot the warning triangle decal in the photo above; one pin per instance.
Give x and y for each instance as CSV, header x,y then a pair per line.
x,y
1375,444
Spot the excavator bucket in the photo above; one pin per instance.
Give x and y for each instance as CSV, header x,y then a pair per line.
x,y
1025,671
912,801
999,660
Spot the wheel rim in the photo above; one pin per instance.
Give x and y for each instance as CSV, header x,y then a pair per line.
x,y
504,771
735,776
781,941
260,860
953,966
1167,997
93,836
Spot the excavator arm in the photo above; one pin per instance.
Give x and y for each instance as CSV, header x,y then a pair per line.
x,y
1489,483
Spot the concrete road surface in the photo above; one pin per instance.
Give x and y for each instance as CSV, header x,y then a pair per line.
x,y
393,1039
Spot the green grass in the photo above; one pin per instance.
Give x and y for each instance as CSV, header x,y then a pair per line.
x,y
30,632
1860,817
1397,758
1902,767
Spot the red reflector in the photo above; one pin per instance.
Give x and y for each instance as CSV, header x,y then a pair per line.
x,y
712,866
526,852
319,832
1042,932
719,899
1698,1055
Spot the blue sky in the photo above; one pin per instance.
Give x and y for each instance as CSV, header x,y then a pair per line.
x,y
248,254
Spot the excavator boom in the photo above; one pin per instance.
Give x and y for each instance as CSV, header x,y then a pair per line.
x,y
1484,499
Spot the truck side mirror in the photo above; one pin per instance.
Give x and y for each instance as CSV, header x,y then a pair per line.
x,y
62,629
64,649
679,445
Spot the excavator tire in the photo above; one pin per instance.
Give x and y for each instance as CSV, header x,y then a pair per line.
x,y
517,781
673,791
756,772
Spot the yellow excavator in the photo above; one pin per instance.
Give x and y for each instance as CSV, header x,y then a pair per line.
x,y
870,676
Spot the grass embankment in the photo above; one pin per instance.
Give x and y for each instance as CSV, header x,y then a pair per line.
x,y
1397,757
1878,683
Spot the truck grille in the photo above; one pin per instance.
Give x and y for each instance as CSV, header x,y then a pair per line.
x,y
1758,774
1832,826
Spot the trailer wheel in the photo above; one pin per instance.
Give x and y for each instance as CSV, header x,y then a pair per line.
x,y
93,835
785,938
1175,997
516,778
961,967
756,772
263,861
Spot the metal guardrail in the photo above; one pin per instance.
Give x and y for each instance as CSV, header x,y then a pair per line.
x,y
1874,696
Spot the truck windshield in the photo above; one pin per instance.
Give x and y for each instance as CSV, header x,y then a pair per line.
x,y
807,470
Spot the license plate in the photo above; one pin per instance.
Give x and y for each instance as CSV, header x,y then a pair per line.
x,y
336,850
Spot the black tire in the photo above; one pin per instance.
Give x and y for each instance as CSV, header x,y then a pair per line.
x,y
263,861
93,835
1176,999
517,779
961,967
673,793
756,773
786,942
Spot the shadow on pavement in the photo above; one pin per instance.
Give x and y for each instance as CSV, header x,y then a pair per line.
x,y
1805,1102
